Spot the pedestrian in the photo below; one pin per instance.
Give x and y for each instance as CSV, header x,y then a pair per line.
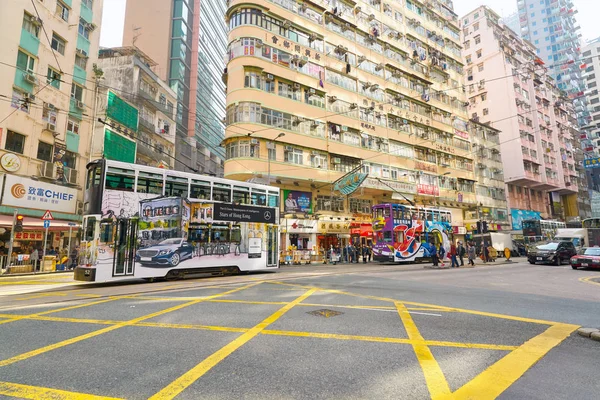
x,y
74,256
472,253
369,253
442,253
434,255
365,251
345,253
461,253
486,253
34,258
453,254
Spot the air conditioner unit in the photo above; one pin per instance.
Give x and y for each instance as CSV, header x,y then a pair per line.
x,y
344,128
50,106
346,26
367,85
303,60
332,98
31,78
357,9
361,59
315,152
374,87
303,6
297,86
47,170
258,43
312,37
81,52
80,105
51,127
270,77
392,34
253,141
336,160
153,89
371,17
312,91
379,67
371,38
341,49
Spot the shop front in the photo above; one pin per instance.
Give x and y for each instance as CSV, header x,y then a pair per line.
x,y
299,233
333,232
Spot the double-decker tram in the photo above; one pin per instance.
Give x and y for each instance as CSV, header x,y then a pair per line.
x,y
407,233
146,222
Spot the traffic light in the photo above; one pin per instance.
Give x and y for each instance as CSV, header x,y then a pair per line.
x,y
19,223
479,227
484,227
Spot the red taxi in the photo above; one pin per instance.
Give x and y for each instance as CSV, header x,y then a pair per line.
x,y
588,257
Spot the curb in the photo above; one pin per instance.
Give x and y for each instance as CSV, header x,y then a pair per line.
x,y
591,333
35,274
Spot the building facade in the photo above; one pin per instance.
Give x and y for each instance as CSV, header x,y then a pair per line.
x,y
126,71
591,58
490,189
552,28
317,90
510,89
47,81
187,41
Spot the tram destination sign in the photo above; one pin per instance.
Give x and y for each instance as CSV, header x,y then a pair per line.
x,y
240,213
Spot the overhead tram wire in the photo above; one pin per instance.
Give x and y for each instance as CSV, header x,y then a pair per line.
x,y
47,37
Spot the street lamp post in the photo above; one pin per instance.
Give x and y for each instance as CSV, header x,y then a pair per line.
x,y
269,158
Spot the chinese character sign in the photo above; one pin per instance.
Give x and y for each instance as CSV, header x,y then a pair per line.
x,y
24,192
428,189
592,162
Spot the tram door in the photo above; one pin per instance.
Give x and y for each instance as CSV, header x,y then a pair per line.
x,y
126,235
272,247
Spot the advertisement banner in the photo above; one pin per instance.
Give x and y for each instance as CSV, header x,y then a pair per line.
x,y
239,213
518,216
27,193
428,189
297,202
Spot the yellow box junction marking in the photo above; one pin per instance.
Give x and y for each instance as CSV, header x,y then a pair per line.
x,y
501,375
589,280
434,377
122,324
42,393
199,370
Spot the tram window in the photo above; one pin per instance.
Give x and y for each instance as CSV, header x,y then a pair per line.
x,y
120,179
177,186
106,232
387,236
219,233
379,213
397,213
221,192
150,183
386,212
90,224
200,190
93,177
236,234
258,198
241,195
273,200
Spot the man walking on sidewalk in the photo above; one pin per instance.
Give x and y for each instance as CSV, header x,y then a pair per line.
x,y
461,253
453,256
472,254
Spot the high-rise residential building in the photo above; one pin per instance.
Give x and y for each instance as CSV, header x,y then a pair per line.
x,y
187,40
509,88
47,81
552,28
512,21
591,58
127,75
490,188
318,89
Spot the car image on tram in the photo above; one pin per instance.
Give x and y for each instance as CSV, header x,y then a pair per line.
x,y
146,222
409,234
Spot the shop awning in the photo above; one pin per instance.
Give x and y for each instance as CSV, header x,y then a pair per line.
x,y
30,223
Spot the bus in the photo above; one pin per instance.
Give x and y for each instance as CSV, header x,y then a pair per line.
x,y
591,228
407,233
535,230
146,222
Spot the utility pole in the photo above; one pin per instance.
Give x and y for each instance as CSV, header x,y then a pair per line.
x,y
269,158
97,76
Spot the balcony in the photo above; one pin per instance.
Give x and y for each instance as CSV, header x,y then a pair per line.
x,y
147,125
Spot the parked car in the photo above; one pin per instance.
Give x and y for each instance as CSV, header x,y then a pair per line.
x,y
554,252
169,252
588,257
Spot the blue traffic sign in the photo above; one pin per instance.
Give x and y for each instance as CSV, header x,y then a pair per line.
x,y
47,223
592,162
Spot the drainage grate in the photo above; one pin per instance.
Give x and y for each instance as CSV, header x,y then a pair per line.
x,y
325,313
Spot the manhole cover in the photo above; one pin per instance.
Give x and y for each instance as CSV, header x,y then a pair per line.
x,y
325,313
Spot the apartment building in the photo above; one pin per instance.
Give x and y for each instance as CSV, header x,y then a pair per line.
x,y
509,88
552,27
127,73
490,188
46,81
187,41
319,89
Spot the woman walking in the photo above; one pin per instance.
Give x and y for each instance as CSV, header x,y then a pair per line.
x,y
472,254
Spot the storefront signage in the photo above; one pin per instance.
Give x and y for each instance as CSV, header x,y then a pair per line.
x,y
334,227
33,235
430,190
461,134
390,185
425,167
296,47
10,162
299,226
254,247
27,193
239,213
592,162
350,182
459,230
297,202
444,147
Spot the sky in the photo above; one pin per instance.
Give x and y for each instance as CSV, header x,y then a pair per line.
x,y
589,10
